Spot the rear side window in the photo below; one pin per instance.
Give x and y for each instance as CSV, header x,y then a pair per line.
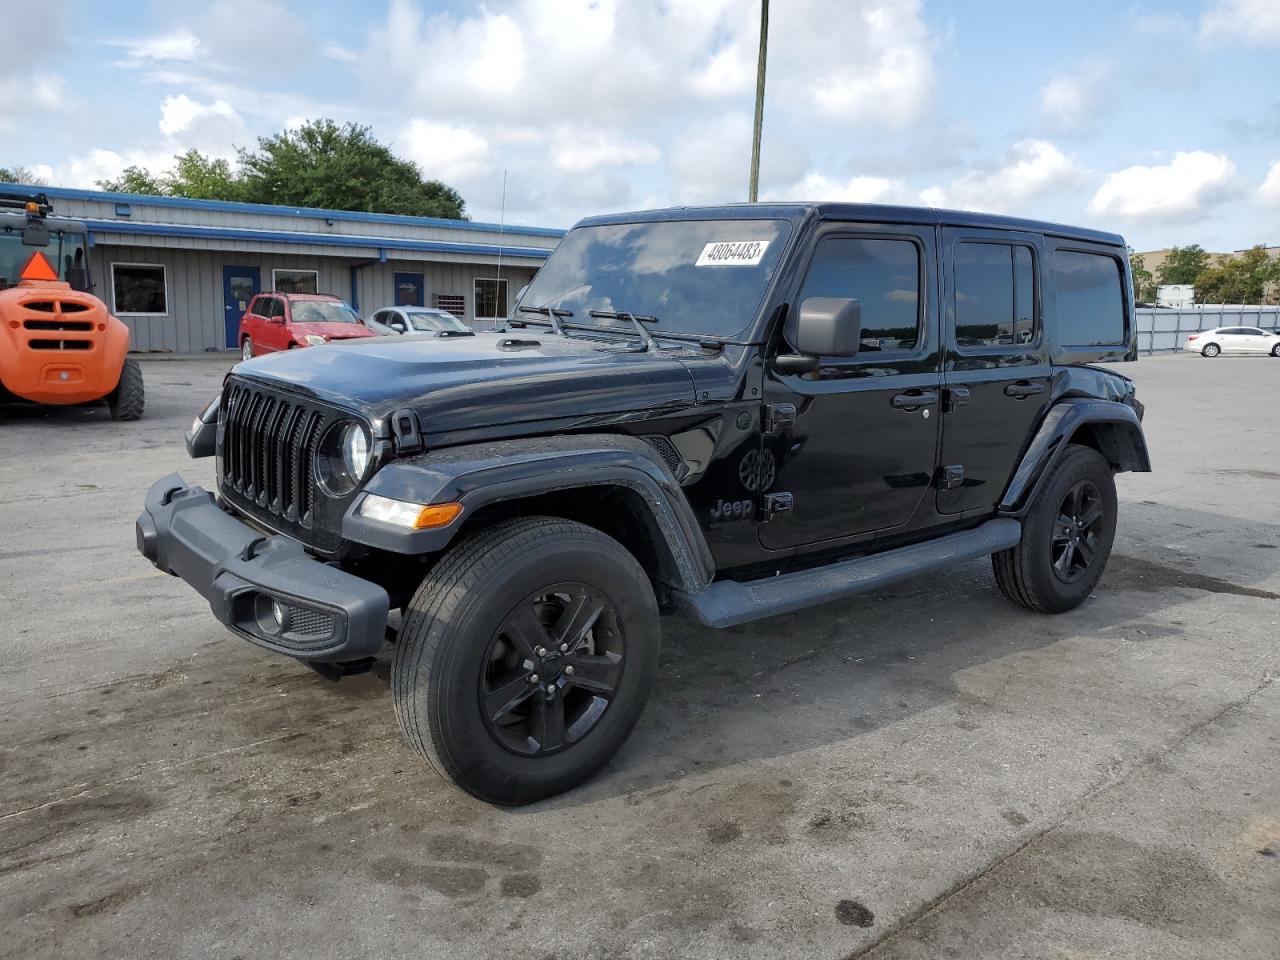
x,y
995,294
883,275
1090,299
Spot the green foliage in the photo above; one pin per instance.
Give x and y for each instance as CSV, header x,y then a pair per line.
x,y
1183,265
20,175
1238,279
320,164
1144,286
344,168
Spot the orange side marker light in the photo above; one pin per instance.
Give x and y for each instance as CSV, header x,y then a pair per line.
x,y
437,515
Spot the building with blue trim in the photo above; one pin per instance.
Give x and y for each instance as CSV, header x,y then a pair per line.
x,y
179,272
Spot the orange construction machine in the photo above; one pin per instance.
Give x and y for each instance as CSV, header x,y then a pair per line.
x,y
58,342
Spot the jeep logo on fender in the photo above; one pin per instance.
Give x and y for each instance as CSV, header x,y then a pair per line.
x,y
732,510
732,253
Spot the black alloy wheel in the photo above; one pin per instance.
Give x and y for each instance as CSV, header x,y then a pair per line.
x,y
1075,539
552,670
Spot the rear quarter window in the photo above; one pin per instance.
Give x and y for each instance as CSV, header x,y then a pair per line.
x,y
1090,301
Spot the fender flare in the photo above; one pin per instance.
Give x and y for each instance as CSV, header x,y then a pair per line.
x,y
477,475
1116,429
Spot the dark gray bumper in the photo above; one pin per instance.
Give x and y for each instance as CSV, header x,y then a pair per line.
x,y
328,615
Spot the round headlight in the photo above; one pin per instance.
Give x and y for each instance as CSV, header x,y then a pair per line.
x,y
314,340
343,458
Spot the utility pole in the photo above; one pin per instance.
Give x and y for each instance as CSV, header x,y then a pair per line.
x,y
754,186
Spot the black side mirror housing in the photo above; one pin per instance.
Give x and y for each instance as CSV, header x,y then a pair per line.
x,y
824,327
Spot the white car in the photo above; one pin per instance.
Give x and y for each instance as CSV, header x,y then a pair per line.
x,y
1210,343
403,321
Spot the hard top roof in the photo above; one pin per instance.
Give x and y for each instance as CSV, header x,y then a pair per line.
x,y
858,212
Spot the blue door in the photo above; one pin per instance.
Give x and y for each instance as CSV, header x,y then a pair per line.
x,y
410,290
239,284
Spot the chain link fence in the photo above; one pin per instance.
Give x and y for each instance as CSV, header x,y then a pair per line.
x,y
1162,330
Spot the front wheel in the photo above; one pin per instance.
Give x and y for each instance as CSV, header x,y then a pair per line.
x,y
1210,350
525,658
1275,351
246,349
1066,536
128,399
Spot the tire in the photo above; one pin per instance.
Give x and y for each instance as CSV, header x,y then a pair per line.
x,y
246,349
456,649
1028,574
128,399
1275,351
1210,350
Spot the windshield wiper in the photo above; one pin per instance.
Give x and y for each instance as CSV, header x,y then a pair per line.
x,y
551,313
637,320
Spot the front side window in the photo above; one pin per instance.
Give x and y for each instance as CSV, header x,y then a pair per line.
x,y
491,299
995,294
139,289
296,281
883,276
1090,299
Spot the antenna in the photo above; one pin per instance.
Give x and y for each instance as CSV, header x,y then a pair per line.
x,y
502,219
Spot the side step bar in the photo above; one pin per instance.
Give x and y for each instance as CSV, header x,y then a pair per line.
x,y
727,603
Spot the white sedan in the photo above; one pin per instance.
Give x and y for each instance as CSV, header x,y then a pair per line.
x,y
1210,343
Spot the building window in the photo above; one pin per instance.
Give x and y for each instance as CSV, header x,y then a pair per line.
x,y
491,299
454,303
139,289
409,290
295,281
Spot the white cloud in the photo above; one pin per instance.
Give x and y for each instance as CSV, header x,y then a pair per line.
x,y
181,113
1031,169
86,169
339,53
36,95
444,151
729,72
1256,21
578,151
856,189
1076,101
1182,189
1269,192
179,45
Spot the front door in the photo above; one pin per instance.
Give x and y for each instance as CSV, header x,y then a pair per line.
x,y
239,284
860,455
996,371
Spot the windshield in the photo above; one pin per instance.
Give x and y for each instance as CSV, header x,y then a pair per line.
x,y
696,276
322,311
65,251
437,322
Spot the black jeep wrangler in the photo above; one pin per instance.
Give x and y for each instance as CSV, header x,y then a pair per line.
x,y
733,411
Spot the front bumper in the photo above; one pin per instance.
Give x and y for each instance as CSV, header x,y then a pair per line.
x,y
266,589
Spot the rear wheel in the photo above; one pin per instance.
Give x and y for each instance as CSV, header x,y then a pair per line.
x,y
1066,536
525,658
246,349
1210,350
127,400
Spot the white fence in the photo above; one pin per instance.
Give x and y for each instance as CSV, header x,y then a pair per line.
x,y
1167,329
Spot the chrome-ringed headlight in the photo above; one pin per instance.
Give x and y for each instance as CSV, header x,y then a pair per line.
x,y
343,458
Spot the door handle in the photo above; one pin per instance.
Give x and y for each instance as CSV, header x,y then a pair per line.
x,y
1023,389
914,400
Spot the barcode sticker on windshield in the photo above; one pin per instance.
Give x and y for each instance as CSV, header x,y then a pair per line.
x,y
732,253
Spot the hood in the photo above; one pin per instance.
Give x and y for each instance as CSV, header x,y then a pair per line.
x,y
461,383
334,331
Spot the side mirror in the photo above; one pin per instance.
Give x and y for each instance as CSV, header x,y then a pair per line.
x,y
397,326
824,327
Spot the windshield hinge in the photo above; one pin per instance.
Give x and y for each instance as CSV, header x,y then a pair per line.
x,y
778,418
404,425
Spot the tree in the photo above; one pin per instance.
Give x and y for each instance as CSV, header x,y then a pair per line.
x,y
1183,265
1238,279
1144,287
343,167
19,174
136,180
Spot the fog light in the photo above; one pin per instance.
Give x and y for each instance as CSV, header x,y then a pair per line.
x,y
278,614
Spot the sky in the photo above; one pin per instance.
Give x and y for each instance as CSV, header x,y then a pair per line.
x,y
1157,120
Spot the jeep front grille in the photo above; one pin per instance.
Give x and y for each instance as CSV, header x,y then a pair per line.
x,y
268,446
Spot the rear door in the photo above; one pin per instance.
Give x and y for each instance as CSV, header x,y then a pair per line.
x,y
996,367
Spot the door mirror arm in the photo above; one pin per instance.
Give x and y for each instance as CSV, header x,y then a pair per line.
x,y
825,327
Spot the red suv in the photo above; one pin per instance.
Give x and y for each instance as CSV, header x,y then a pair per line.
x,y
282,321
